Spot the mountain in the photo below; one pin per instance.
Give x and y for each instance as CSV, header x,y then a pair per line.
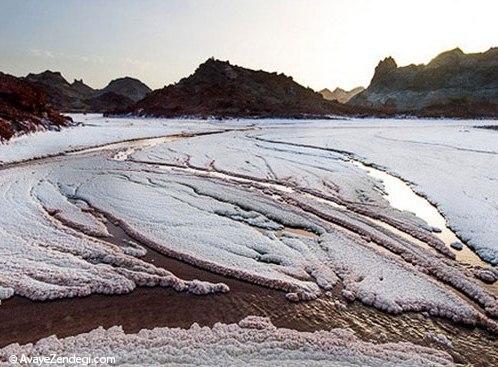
x,y
340,95
79,97
61,94
128,87
453,84
24,108
56,80
107,102
219,89
81,88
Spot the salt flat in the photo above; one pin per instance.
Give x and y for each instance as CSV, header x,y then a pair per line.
x,y
452,163
282,204
93,130
225,202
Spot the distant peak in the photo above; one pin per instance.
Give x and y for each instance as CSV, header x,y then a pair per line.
x,y
340,94
125,79
212,62
492,52
48,76
383,69
81,87
214,66
456,51
128,87
50,72
387,64
447,57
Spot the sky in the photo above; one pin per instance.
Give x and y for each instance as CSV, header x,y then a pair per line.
x,y
320,43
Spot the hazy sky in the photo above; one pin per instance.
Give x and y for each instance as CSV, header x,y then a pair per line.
x,y
321,44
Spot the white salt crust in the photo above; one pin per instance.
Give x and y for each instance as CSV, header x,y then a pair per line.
x,y
49,249
254,341
452,163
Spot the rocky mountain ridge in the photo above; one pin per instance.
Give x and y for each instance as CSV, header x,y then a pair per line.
x,y
220,89
340,95
24,108
128,87
79,97
453,84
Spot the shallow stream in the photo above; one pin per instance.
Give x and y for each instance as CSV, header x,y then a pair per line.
x,y
401,196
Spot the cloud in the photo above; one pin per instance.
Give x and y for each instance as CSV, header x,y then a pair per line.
x,y
47,54
141,65
42,53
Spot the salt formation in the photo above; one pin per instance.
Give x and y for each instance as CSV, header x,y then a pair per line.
x,y
450,162
379,280
254,341
94,131
442,269
6,293
229,203
44,257
439,338
231,229
68,213
324,173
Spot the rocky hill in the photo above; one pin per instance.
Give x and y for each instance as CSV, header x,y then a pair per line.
x,y
61,94
219,89
79,97
108,102
453,84
340,95
82,89
128,87
24,108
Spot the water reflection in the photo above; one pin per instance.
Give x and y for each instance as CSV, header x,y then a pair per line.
x,y
402,197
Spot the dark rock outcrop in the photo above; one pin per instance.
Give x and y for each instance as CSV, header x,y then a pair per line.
x,y
453,84
219,89
81,88
79,97
108,102
130,88
490,127
24,108
61,94
340,95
